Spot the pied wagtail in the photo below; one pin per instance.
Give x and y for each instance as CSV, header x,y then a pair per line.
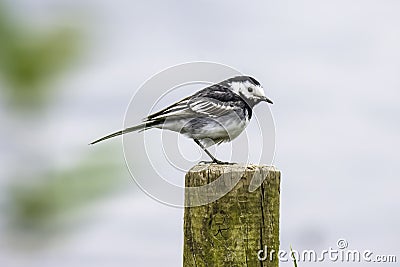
x,y
213,115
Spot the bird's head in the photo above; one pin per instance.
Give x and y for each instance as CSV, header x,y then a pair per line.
x,y
249,89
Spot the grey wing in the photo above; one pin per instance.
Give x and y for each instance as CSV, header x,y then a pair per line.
x,y
194,107
171,110
210,107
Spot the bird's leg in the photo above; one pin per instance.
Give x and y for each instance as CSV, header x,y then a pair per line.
x,y
205,150
214,160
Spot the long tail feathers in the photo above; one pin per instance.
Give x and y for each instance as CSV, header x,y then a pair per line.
x,y
139,127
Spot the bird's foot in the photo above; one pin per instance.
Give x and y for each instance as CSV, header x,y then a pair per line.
x,y
216,161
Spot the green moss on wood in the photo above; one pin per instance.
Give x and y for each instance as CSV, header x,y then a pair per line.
x,y
231,230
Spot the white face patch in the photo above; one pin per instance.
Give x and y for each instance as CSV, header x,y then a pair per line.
x,y
248,90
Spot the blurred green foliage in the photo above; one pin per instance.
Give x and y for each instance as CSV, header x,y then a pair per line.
x,y
34,206
30,59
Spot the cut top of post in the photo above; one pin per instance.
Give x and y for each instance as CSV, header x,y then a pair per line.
x,y
206,183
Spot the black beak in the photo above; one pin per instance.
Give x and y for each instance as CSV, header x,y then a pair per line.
x,y
266,99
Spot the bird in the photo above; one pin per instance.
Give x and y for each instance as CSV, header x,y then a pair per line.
x,y
213,115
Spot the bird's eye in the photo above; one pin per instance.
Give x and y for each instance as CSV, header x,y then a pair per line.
x,y
250,89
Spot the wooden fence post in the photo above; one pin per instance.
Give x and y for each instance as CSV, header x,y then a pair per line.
x,y
232,230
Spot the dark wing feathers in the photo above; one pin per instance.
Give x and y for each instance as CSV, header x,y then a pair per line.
x,y
210,107
180,105
213,101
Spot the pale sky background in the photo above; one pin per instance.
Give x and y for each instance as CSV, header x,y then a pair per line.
x,y
331,67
